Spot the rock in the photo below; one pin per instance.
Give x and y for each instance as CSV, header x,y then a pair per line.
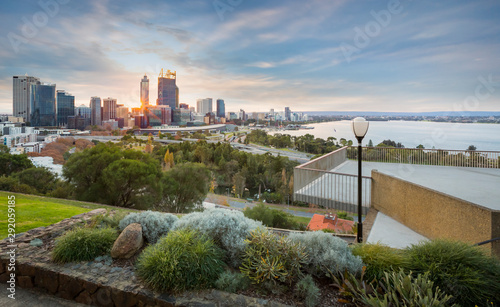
x,y
129,242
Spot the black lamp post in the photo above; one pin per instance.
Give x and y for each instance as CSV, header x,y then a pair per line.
x,y
359,127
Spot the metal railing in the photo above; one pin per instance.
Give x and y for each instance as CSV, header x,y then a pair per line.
x,y
332,190
457,158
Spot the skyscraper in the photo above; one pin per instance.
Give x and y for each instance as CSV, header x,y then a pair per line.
x,y
108,108
288,114
204,106
21,96
43,112
221,108
83,111
167,90
145,91
95,111
65,107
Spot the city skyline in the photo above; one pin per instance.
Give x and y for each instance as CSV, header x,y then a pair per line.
x,y
314,56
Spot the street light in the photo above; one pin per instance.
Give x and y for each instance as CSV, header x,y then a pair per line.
x,y
359,127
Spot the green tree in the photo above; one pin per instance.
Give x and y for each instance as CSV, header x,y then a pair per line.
x,y
370,143
39,178
471,147
127,180
13,163
183,188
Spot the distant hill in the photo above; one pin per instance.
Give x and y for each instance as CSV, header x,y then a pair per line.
x,y
360,113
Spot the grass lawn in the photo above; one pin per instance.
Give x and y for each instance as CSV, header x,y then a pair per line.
x,y
35,211
302,220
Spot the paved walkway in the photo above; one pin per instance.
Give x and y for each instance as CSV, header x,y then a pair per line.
x,y
32,298
392,233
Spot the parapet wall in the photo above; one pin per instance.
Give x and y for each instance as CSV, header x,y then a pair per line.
x,y
434,214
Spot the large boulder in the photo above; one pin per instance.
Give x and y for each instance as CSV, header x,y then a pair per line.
x,y
128,242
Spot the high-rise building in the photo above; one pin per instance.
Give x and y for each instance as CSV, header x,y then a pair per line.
x,y
167,90
221,108
204,106
21,96
121,112
288,114
108,108
242,115
65,107
95,113
158,115
145,91
43,111
83,111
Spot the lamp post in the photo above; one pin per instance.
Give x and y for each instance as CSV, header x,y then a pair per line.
x,y
359,127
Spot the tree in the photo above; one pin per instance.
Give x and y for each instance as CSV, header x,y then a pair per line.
x,y
370,143
39,178
13,163
127,182
168,160
239,182
183,188
471,147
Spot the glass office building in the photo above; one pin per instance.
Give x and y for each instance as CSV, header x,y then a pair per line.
x,y
65,107
43,105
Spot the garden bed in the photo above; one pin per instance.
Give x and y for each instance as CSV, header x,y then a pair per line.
x,y
108,282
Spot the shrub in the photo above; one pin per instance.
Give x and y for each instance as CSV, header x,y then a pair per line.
x,y
459,269
182,260
110,219
83,244
307,290
271,217
394,289
227,228
380,258
401,289
232,282
327,253
154,224
270,257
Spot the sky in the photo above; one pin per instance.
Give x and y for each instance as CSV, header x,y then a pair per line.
x,y
316,55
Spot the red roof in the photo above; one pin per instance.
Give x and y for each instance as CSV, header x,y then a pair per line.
x,y
332,222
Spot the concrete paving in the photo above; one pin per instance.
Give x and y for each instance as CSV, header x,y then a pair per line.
x,y
478,185
390,232
26,297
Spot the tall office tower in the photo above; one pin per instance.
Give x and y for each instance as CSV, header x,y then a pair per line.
x,y
221,108
83,111
65,107
176,96
167,90
43,111
108,108
145,91
242,115
95,111
122,112
204,106
21,96
288,114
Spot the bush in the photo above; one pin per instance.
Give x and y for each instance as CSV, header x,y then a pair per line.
x,y
228,228
232,282
154,224
307,291
183,260
394,289
110,219
271,217
327,253
83,244
380,258
460,270
270,257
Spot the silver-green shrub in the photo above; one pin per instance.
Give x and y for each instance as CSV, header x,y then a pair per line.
x,y
228,228
154,224
327,253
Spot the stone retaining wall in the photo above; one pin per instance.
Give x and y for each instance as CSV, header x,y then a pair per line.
x,y
96,282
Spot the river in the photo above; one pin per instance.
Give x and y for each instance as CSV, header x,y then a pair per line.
x,y
413,133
